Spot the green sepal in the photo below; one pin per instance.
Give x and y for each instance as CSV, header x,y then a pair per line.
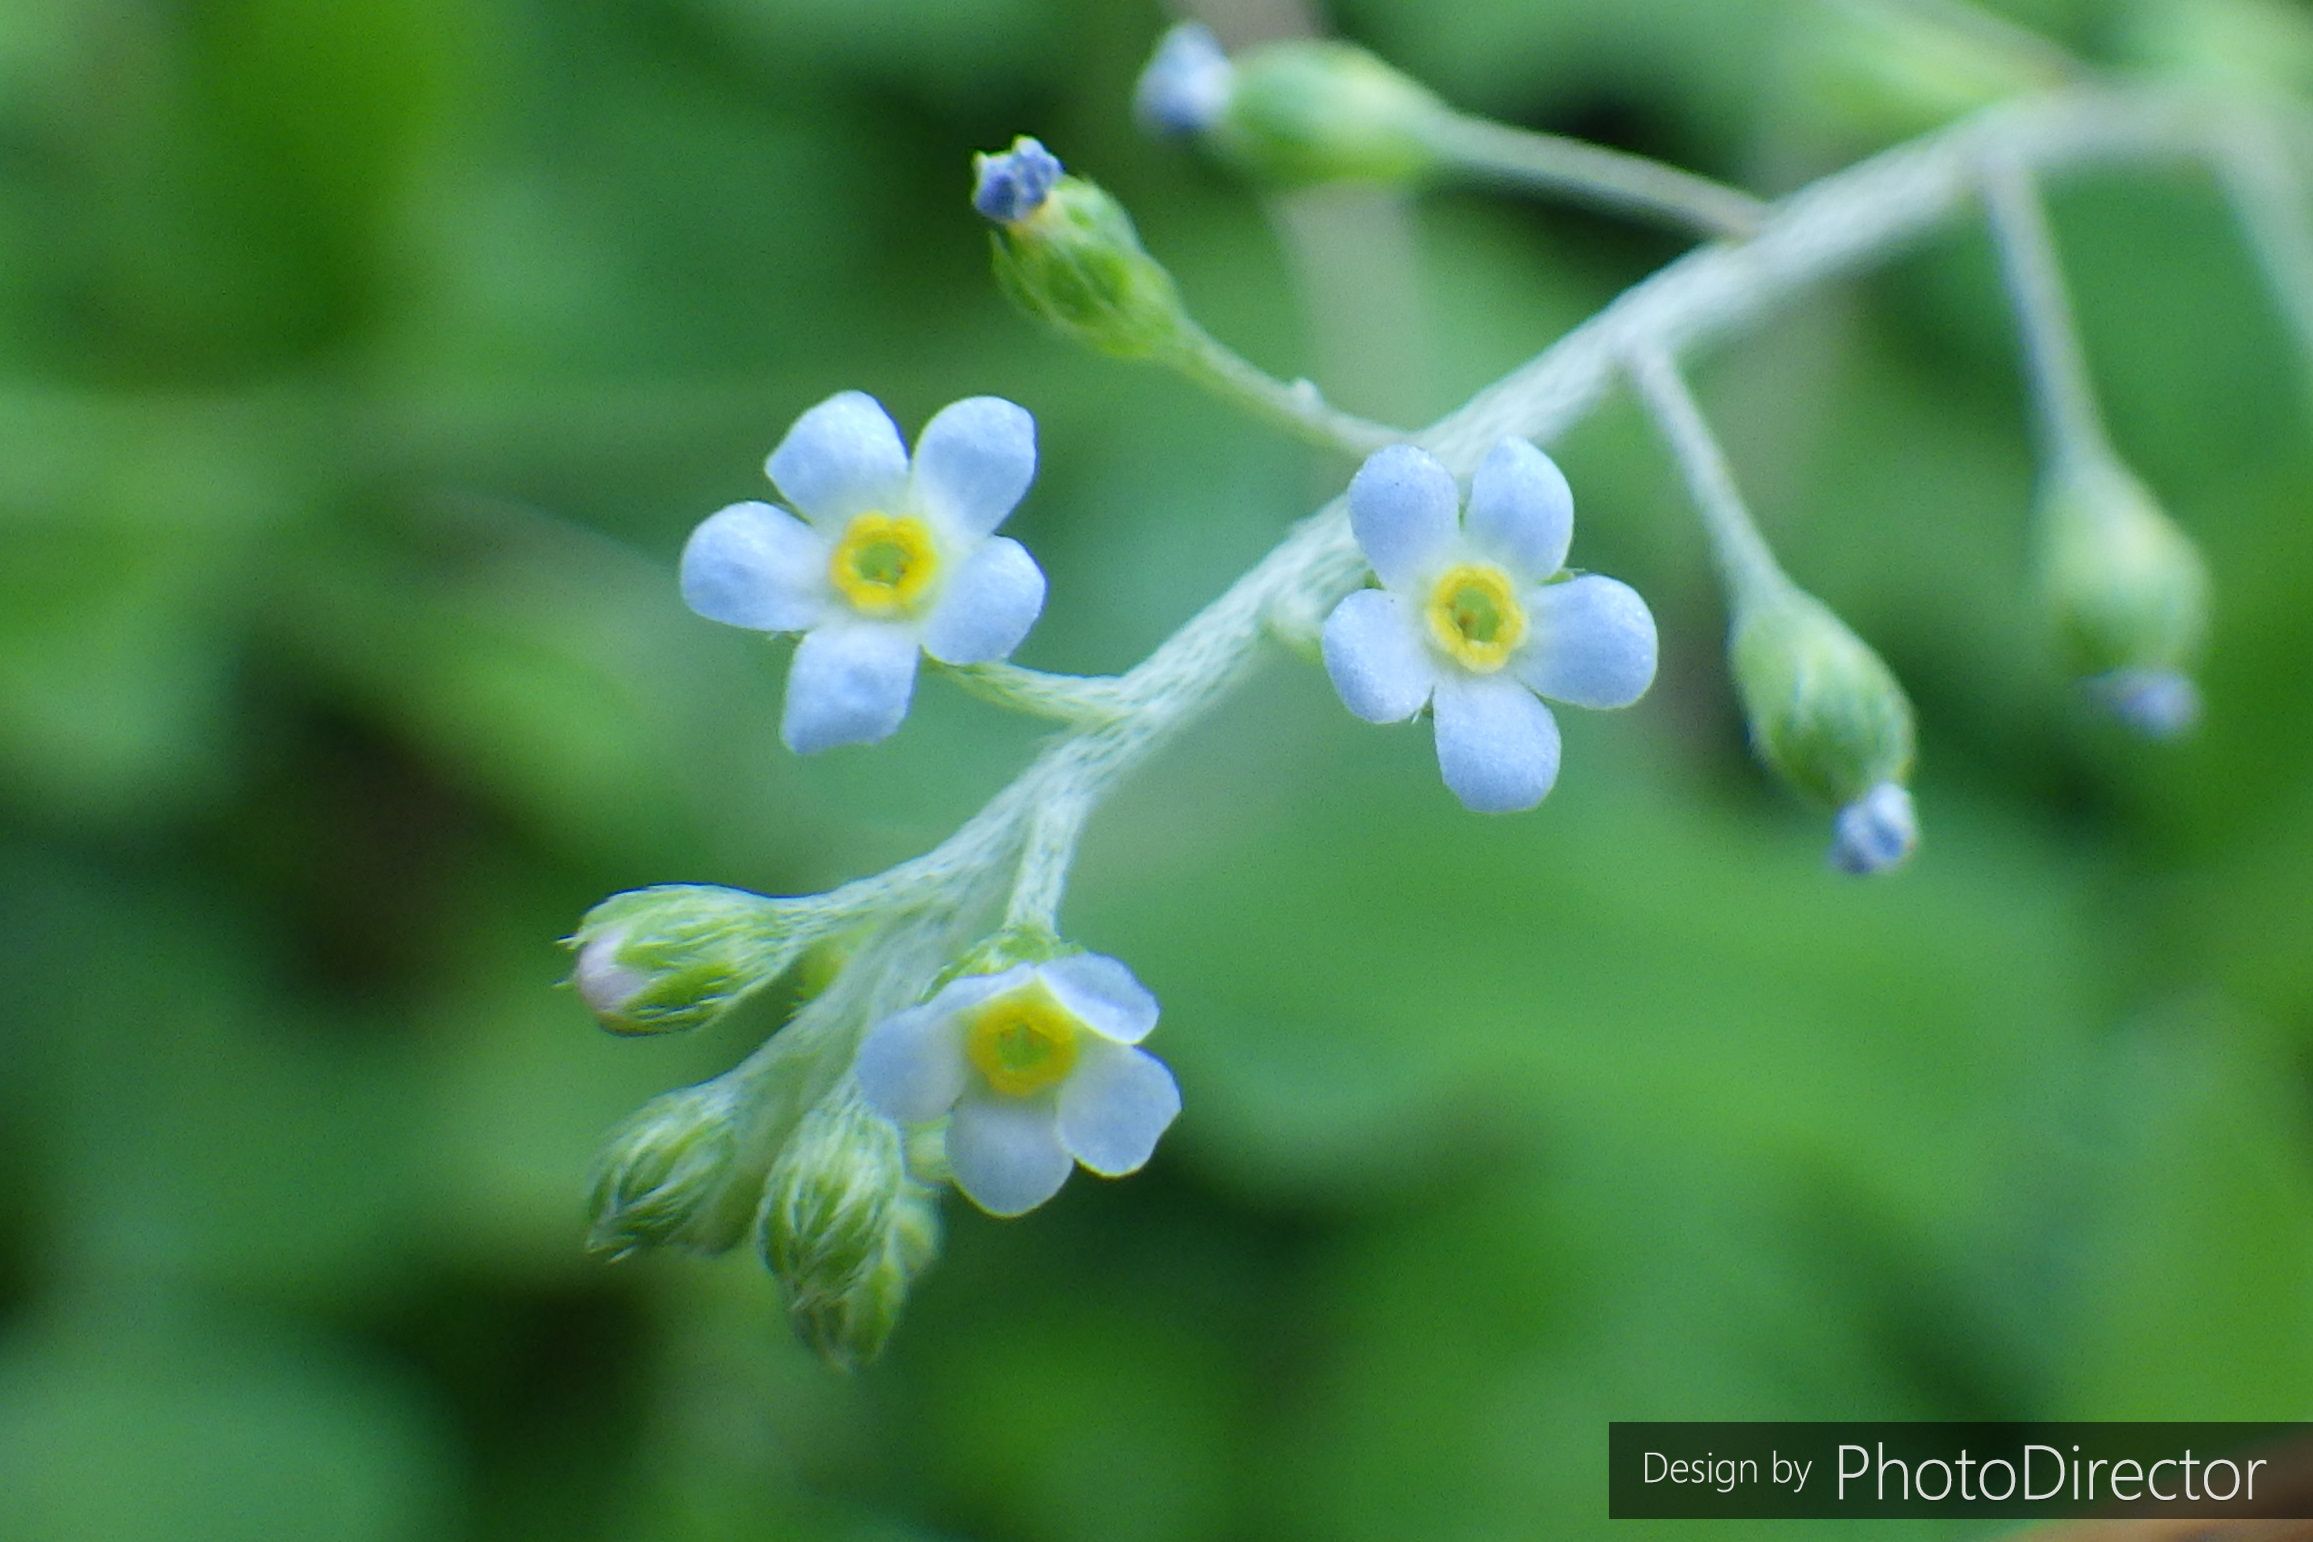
x,y
677,956
1825,713
1303,112
1076,263
2124,587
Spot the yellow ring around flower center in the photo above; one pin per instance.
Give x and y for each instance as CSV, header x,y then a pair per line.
x,y
1023,1041
883,563
1475,616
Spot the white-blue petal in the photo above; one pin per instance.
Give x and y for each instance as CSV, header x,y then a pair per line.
x,y
988,604
1590,641
1114,1105
1497,745
974,462
1521,510
911,1065
1403,510
841,458
967,991
1378,665
850,684
756,566
1005,1152
1104,995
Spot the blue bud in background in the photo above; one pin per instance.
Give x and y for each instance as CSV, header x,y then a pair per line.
x,y
2157,703
1186,83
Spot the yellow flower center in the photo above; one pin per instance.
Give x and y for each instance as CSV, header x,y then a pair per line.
x,y
1475,617
884,563
1023,1041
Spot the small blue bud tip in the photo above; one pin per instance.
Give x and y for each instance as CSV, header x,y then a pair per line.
x,y
2157,703
1186,83
1875,832
1013,185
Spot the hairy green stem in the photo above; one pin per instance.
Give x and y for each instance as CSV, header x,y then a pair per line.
x,y
1064,698
1299,408
1614,180
2071,428
1746,565
2275,210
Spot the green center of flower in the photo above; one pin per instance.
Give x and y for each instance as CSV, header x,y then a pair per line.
x,y
883,563
1475,616
1022,1041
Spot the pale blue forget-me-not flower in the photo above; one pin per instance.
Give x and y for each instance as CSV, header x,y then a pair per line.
x,y
882,557
1036,1068
1467,623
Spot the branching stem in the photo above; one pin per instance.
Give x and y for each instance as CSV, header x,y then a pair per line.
x,y
1011,857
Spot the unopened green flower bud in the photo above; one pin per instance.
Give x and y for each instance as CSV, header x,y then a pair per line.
x,y
1067,253
1894,68
846,1228
2126,589
677,956
1825,713
1306,111
671,1176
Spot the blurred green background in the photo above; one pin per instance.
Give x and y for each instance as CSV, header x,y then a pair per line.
x,y
361,371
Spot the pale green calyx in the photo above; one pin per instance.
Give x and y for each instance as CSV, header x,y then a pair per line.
x,y
1824,711
2125,588
663,959
846,1227
1073,260
672,1176
1303,111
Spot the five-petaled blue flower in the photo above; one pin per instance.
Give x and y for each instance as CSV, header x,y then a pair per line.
x,y
886,558
1036,1068
1467,622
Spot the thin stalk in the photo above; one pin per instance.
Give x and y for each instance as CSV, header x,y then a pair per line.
x,y
1299,407
1077,699
2056,371
2270,200
1745,563
1615,180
